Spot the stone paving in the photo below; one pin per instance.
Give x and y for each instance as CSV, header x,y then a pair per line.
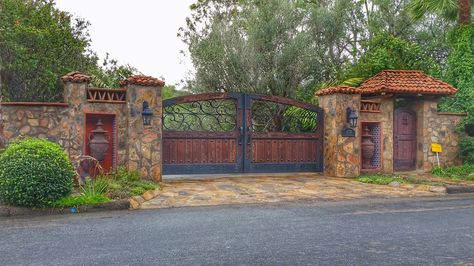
x,y
264,189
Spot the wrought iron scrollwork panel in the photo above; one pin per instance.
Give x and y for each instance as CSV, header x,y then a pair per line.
x,y
276,117
215,115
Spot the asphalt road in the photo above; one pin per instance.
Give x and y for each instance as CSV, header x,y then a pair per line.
x,y
376,232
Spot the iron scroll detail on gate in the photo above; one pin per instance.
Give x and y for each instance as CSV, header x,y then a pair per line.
x,y
215,115
238,132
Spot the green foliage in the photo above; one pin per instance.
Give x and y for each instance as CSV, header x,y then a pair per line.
x,y
94,188
124,184
80,200
466,146
467,124
447,8
39,44
110,73
390,52
93,192
387,179
463,172
381,179
289,48
122,174
259,50
169,91
460,70
34,172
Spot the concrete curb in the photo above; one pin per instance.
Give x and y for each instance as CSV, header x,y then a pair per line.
x,y
459,189
11,211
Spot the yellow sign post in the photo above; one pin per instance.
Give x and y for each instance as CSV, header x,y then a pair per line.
x,y
436,148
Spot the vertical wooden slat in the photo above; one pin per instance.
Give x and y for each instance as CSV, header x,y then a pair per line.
x,y
212,150
189,151
196,151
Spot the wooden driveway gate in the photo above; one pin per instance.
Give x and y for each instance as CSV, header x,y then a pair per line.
x,y
236,132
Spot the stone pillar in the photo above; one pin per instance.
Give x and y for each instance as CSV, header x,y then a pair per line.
x,y
341,154
144,141
72,120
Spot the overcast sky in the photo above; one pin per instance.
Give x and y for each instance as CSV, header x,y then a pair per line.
x,y
141,33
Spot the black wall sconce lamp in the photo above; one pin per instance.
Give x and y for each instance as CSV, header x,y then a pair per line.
x,y
146,114
352,118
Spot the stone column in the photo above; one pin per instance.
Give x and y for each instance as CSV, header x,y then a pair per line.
x,y
341,154
72,120
144,141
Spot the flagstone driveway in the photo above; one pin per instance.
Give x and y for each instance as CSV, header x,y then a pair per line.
x,y
262,189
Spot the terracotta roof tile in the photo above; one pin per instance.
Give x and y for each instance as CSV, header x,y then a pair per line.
x,y
76,77
143,81
338,89
405,82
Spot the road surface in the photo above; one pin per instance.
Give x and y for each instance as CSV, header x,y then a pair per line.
x,y
428,231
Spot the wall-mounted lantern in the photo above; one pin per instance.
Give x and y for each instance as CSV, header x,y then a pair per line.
x,y
351,117
146,114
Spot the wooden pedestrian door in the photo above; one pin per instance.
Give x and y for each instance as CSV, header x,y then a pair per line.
x,y
236,132
404,135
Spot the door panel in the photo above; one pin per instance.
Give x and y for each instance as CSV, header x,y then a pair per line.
x,y
201,134
285,135
404,140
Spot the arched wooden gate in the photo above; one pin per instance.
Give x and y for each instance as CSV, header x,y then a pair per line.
x,y
236,132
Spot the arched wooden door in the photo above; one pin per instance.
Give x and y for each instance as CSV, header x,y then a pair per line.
x,y
404,135
236,132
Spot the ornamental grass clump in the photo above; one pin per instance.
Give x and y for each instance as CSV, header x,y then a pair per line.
x,y
34,172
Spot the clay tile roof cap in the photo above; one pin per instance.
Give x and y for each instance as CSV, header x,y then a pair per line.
x,y
337,89
76,77
142,81
405,82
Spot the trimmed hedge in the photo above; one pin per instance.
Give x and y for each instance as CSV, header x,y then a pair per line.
x,y
34,172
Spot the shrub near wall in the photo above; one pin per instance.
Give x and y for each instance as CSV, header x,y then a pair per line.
x,y
34,172
467,149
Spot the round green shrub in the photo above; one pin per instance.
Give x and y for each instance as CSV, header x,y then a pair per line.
x,y
34,172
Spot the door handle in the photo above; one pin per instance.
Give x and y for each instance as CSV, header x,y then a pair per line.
x,y
241,135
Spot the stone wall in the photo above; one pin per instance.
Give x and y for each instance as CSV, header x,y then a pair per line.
x,y
137,146
438,128
36,120
341,154
385,118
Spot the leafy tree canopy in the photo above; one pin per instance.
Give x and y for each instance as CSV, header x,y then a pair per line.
x,y
390,52
39,44
289,48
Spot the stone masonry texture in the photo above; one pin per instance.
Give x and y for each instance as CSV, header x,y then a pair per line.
x,y
144,142
341,154
137,147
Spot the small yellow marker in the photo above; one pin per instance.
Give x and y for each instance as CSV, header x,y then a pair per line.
x,y
436,148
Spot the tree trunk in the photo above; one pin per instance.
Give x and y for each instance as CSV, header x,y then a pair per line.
x,y
464,12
